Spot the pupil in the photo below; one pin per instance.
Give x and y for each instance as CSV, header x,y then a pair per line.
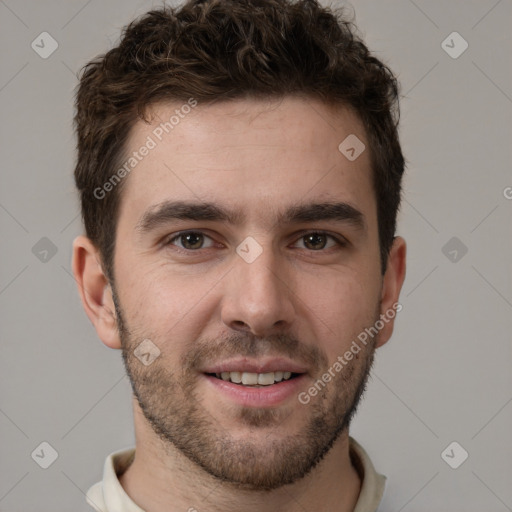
x,y
316,237
187,237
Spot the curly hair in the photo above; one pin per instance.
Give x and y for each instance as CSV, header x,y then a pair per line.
x,y
217,50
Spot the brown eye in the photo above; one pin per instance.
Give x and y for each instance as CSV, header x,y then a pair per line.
x,y
317,241
189,240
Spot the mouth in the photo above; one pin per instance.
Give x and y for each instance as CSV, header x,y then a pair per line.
x,y
256,383
255,380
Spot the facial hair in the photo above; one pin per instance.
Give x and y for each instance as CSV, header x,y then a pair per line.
x,y
167,395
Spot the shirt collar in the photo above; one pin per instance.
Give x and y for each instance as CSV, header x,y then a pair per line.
x,y
109,495
373,484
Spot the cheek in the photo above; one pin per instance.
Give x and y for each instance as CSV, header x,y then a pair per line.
x,y
169,306
341,307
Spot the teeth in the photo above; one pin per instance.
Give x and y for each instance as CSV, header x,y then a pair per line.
x,y
254,379
249,379
264,379
236,377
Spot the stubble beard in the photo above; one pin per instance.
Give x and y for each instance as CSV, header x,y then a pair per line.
x,y
263,459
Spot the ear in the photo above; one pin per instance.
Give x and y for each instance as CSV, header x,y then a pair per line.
x,y
95,291
391,286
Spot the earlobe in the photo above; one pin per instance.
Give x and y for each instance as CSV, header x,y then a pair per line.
x,y
95,291
391,287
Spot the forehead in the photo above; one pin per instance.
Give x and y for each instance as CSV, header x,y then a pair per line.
x,y
251,155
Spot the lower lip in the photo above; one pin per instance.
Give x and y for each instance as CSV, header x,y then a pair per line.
x,y
266,396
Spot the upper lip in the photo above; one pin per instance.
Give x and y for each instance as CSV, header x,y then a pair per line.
x,y
244,364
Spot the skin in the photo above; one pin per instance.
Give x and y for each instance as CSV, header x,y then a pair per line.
x,y
301,298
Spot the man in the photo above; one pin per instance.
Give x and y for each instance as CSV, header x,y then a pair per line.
x,y
240,172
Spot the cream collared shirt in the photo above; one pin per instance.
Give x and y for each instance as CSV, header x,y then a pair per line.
x,y
109,496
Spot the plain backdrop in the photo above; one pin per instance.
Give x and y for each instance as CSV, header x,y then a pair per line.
x,y
444,377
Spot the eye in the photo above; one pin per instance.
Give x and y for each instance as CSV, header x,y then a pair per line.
x,y
317,240
190,240
195,240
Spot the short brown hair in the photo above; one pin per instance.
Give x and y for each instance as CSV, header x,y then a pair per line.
x,y
217,50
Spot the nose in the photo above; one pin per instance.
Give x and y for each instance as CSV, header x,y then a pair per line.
x,y
258,296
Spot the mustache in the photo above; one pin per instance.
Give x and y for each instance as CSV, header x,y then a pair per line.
x,y
240,344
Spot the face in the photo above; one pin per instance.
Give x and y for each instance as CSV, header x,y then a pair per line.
x,y
268,281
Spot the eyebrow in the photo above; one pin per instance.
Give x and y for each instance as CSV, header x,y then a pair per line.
x,y
168,211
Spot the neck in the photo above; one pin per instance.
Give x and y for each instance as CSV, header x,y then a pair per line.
x,y
162,479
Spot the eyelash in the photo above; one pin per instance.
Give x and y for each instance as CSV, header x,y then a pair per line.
x,y
168,241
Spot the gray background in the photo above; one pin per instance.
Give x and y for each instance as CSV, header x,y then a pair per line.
x,y
445,375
